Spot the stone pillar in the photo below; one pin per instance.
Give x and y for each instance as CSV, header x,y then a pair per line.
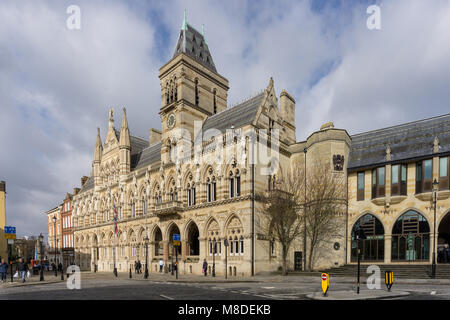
x,y
387,248
184,249
166,252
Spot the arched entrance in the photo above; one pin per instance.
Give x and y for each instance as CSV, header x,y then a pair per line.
x,y
411,237
158,242
193,244
372,248
444,240
173,230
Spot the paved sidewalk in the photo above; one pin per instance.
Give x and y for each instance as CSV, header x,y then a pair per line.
x,y
33,280
363,295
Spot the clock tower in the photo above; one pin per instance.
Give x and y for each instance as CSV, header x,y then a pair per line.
x,y
191,90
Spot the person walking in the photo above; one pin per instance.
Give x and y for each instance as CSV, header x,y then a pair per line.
x,y
135,267
205,267
3,270
139,266
161,265
22,268
60,267
446,253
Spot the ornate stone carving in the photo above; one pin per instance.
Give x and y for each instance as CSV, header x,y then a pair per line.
x,y
338,162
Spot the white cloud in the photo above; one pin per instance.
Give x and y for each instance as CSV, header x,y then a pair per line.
x,y
56,85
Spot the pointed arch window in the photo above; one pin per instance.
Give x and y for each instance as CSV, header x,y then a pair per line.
x,y
133,209
215,102
234,184
196,92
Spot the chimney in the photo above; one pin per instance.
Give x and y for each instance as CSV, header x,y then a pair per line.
x,y
154,136
83,180
287,108
75,191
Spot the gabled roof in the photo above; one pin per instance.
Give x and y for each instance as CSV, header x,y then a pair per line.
x,y
193,43
147,156
406,141
137,144
237,116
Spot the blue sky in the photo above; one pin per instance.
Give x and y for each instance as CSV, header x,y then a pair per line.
x,y
57,85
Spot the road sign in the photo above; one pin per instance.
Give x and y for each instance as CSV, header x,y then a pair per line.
x,y
176,240
325,283
10,241
9,229
10,236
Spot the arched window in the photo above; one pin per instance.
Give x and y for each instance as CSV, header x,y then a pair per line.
x,y
133,209
411,237
241,245
230,240
372,248
196,91
191,194
234,184
215,101
211,187
144,206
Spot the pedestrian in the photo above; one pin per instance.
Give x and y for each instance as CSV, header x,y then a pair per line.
x,y
139,266
446,253
60,267
161,264
205,267
135,267
22,268
3,270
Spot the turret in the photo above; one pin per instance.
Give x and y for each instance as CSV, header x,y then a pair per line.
x,y
97,158
124,146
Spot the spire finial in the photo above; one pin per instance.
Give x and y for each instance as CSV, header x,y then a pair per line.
x,y
203,33
184,25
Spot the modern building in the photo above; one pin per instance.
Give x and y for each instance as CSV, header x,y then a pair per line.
x,y
3,241
195,178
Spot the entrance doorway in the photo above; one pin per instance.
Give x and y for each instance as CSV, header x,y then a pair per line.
x,y
298,260
443,250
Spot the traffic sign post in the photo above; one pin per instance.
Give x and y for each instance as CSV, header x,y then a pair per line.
x,y
325,283
389,279
176,243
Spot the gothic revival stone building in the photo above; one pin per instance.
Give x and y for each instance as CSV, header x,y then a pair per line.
x,y
196,178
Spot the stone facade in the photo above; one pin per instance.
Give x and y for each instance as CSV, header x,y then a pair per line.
x,y
196,177
3,242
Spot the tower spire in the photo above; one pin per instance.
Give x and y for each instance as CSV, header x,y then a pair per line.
x,y
124,132
184,25
98,147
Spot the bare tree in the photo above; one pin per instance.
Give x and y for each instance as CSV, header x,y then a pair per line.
x,y
281,220
286,210
324,207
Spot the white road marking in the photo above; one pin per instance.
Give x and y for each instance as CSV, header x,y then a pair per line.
x,y
168,298
268,287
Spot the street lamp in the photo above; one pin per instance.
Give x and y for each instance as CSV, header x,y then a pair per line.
x,y
214,260
41,239
433,266
146,257
54,243
305,150
225,243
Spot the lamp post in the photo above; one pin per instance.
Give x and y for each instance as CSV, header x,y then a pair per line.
x,y
305,150
225,243
214,260
54,243
146,257
433,266
41,239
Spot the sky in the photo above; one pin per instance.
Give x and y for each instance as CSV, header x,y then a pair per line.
x,y
57,84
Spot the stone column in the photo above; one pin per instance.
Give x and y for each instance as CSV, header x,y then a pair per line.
x,y
184,249
166,254
387,248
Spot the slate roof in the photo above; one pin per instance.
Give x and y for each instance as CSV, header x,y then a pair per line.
x,y
407,141
137,144
147,156
192,43
238,116
88,185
